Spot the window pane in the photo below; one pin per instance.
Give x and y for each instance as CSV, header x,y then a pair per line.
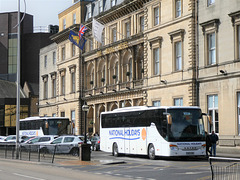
x,y
178,8
211,48
238,41
156,61
210,101
156,103
156,16
178,62
216,101
141,24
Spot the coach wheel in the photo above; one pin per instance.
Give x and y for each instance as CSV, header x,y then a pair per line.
x,y
115,150
151,152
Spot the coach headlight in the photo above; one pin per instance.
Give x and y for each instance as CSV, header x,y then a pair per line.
x,y
173,147
204,146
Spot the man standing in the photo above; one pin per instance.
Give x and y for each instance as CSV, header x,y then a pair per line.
x,y
214,139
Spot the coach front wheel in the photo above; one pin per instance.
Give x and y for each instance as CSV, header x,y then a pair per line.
x,y
151,152
115,150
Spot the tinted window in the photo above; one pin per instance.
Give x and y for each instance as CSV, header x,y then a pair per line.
x,y
43,139
68,139
57,141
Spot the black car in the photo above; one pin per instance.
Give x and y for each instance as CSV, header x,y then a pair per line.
x,y
95,143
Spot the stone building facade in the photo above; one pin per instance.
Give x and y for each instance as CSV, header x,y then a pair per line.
x,y
168,53
218,65
113,69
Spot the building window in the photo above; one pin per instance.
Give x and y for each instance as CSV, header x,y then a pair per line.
x,y
100,6
210,2
235,19
113,3
63,53
54,115
211,49
156,16
62,114
178,56
210,29
238,42
213,112
45,61
89,12
103,38
74,18
156,60
54,87
178,102
54,57
156,103
178,8
73,81
73,121
73,50
12,53
114,34
64,23
238,111
63,85
141,23
127,29
45,96
90,44
177,44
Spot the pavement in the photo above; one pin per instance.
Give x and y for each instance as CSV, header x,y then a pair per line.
x,y
221,152
228,151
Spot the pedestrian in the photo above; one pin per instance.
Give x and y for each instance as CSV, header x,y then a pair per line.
x,y
208,144
214,139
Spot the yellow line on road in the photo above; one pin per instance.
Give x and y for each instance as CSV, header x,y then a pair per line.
x,y
205,178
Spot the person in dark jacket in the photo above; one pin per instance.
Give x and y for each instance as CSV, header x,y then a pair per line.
x,y
214,139
208,144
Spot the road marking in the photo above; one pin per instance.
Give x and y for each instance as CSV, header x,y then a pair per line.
x,y
30,177
205,178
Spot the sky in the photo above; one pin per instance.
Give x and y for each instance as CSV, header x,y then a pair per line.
x,y
45,12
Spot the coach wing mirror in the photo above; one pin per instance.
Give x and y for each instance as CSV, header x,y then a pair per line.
x,y
169,119
209,118
46,125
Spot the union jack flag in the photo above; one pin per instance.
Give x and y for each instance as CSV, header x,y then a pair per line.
x,y
82,30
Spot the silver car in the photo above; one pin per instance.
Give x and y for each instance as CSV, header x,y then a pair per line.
x,y
34,143
68,144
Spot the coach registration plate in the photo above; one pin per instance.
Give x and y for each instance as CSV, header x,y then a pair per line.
x,y
189,153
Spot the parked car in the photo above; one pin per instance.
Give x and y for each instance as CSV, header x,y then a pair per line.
x,y
95,140
2,138
35,142
68,144
12,138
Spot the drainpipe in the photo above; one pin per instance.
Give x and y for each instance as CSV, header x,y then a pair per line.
x,y
196,51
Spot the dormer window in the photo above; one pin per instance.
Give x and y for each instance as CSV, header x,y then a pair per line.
x,y
89,12
113,3
100,6
64,23
74,18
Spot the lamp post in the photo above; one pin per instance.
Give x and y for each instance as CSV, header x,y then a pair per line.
x,y
85,109
85,148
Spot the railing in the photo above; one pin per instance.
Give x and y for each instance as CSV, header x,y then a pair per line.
x,y
225,168
38,153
